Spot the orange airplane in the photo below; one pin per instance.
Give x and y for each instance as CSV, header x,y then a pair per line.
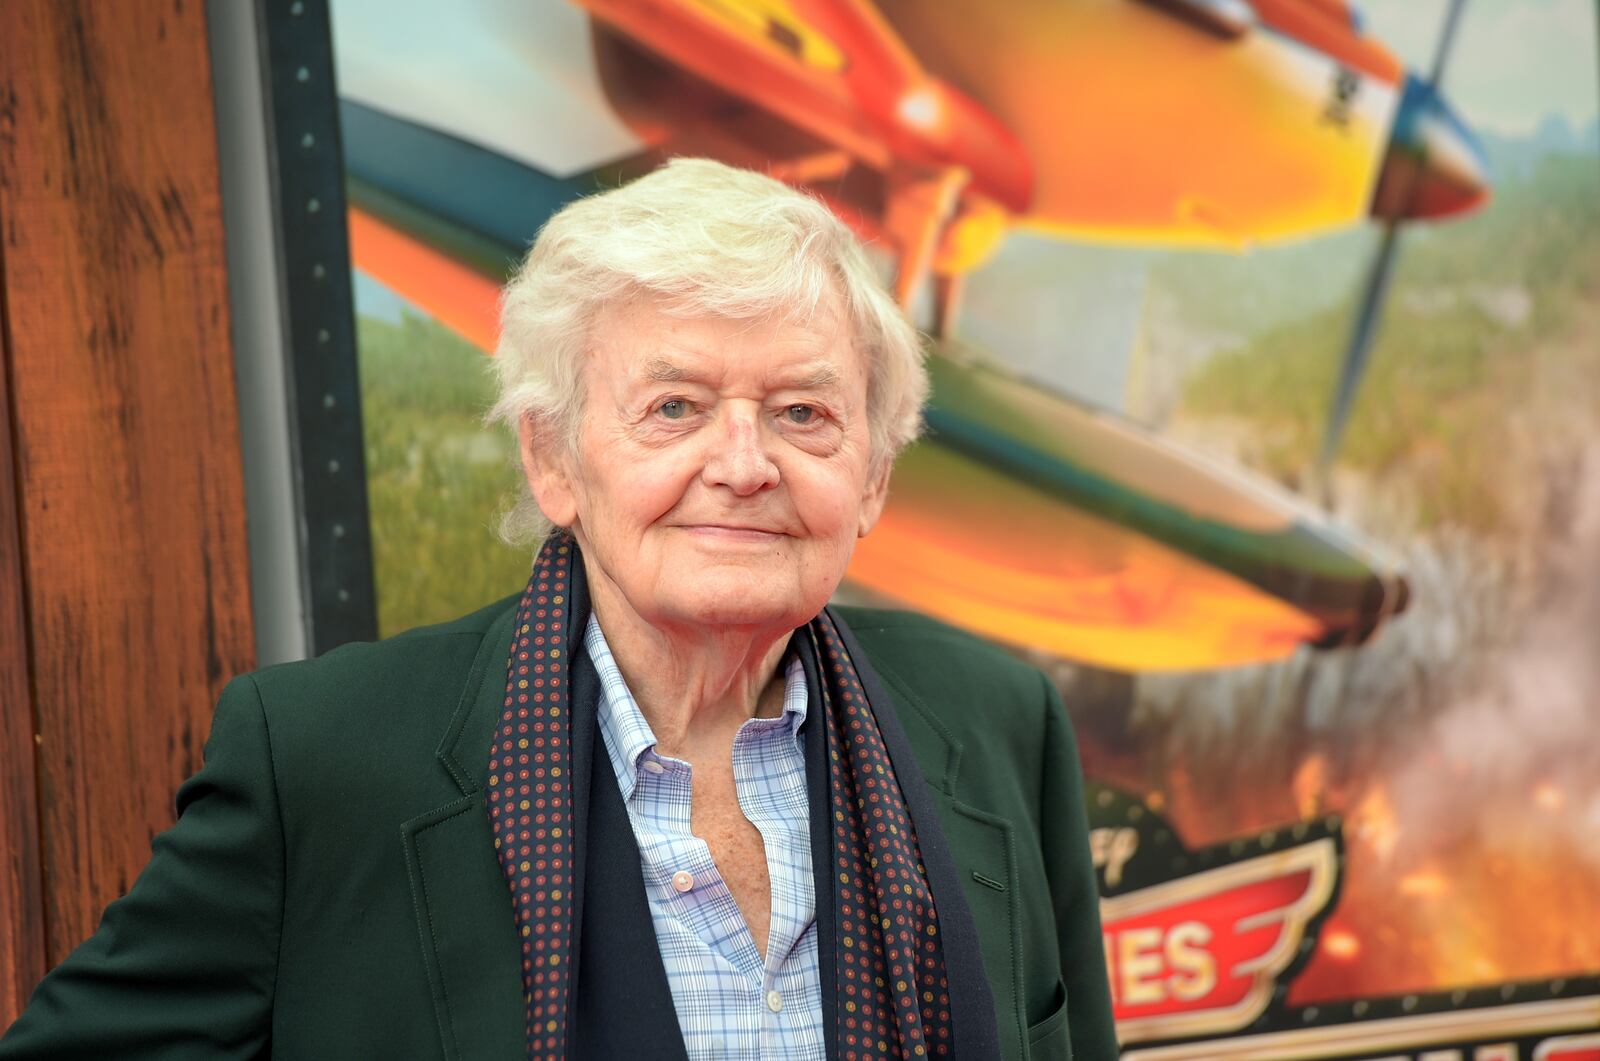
x,y
935,128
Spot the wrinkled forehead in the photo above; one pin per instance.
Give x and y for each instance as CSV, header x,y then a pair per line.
x,y
646,340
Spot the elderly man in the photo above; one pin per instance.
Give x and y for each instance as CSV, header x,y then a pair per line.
x,y
666,803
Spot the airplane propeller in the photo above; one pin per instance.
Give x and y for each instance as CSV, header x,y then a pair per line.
x,y
1433,167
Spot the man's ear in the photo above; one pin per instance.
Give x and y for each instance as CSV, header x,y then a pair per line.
x,y
545,465
876,495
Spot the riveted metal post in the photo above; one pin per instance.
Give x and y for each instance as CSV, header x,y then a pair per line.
x,y
323,391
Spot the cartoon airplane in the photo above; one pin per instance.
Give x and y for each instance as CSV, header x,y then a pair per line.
x,y
1198,123
1024,515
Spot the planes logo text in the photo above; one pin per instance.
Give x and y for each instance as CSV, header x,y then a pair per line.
x,y
1201,946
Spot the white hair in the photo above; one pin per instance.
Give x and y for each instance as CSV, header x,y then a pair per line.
x,y
709,240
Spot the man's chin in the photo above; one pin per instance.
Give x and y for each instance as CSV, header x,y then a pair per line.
x,y
754,602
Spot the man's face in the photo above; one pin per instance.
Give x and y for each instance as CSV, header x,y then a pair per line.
x,y
722,469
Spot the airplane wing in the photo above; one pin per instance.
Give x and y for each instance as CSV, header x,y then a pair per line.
x,y
1189,137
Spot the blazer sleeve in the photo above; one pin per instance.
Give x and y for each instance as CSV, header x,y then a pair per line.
x,y
1074,888
183,965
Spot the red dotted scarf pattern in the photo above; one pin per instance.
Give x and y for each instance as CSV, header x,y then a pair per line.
x,y
893,997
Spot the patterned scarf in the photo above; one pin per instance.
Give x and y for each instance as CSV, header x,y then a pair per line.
x,y
893,997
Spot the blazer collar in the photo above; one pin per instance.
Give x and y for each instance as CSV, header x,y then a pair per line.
x,y
464,749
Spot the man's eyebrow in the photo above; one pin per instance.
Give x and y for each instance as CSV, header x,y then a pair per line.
x,y
660,370
816,378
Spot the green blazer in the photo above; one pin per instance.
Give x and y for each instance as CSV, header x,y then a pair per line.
x,y
330,889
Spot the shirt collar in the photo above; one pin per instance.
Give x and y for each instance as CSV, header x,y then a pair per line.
x,y
623,728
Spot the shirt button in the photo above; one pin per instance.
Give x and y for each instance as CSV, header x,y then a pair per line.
x,y
774,1001
654,767
683,880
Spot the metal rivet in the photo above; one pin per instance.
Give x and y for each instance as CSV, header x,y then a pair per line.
x,y
338,530
344,595
308,141
318,271
302,75
328,401
297,8
313,205
1309,1014
323,336
333,467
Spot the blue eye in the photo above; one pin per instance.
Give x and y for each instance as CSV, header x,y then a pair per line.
x,y
676,409
800,414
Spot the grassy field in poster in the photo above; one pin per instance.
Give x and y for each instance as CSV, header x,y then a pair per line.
x,y
437,476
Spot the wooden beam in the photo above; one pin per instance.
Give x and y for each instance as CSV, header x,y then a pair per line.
x,y
127,457
22,950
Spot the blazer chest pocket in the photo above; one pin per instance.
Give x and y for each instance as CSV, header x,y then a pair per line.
x,y
1048,1040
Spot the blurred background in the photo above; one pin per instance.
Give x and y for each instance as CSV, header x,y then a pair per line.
x,y
1265,337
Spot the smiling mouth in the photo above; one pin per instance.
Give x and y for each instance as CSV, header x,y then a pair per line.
x,y
732,533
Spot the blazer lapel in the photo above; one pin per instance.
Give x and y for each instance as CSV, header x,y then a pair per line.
x,y
972,1005
463,906
464,915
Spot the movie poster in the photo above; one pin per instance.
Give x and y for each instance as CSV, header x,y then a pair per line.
x,y
1265,341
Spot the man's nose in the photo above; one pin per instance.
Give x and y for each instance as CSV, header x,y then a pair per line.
x,y
739,458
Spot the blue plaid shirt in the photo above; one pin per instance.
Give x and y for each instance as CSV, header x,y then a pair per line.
x,y
730,1003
